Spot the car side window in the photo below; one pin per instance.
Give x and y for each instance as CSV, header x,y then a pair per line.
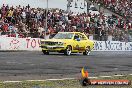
x,y
82,37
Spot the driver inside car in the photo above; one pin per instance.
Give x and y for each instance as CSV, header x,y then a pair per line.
x,y
76,37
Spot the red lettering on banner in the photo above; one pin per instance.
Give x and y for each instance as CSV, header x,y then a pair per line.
x,y
27,42
14,44
39,42
33,43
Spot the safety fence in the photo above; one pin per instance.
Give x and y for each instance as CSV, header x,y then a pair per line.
x,y
32,44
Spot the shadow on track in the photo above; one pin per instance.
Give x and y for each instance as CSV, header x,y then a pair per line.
x,y
61,54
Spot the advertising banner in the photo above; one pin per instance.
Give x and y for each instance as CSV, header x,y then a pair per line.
x,y
19,44
32,44
112,46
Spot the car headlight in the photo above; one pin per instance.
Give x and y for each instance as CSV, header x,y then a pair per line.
x,y
60,43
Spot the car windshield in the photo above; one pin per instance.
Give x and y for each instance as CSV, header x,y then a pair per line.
x,y
63,36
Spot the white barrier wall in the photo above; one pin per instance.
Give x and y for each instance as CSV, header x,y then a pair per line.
x,y
32,44
112,46
19,44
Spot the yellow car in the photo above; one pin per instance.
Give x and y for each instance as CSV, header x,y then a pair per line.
x,y
67,43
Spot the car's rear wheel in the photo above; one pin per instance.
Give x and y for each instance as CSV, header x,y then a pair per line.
x,y
87,51
45,52
68,51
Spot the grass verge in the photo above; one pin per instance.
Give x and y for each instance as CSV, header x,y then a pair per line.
x,y
61,84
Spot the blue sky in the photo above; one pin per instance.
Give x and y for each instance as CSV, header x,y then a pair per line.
x,y
42,3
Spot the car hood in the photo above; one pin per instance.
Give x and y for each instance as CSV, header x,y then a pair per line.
x,y
56,40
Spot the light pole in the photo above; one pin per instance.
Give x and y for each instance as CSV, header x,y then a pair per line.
x,y
46,26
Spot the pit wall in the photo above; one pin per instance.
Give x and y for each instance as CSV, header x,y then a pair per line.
x,y
32,44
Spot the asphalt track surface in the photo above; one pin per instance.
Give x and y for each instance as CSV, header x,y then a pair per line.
x,y
32,65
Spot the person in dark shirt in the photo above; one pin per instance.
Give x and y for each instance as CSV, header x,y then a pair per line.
x,y
42,36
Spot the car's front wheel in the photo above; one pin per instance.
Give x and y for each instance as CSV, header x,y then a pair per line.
x,y
45,52
68,51
87,51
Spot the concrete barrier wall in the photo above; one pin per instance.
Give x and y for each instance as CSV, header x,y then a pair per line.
x,y
19,44
112,46
32,44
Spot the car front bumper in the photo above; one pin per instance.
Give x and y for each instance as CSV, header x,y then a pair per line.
x,y
53,48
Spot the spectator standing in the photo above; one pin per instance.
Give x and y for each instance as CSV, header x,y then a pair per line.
x,y
42,36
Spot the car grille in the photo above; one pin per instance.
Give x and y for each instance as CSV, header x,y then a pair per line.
x,y
51,43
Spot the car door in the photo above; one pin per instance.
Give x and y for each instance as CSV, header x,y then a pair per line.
x,y
76,41
83,42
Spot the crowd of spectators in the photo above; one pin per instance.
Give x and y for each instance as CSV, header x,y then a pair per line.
x,y
30,22
120,7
